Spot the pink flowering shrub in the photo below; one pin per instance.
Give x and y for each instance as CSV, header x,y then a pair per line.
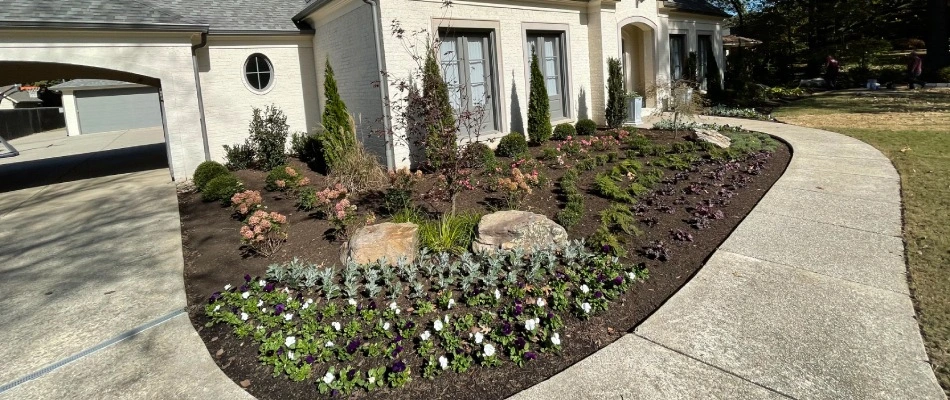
x,y
285,179
263,232
246,202
337,208
517,186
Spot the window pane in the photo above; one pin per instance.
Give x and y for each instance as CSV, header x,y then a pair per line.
x,y
549,47
262,64
253,81
475,50
264,79
551,84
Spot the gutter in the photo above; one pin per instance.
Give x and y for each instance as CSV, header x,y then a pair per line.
x,y
153,27
383,85
201,103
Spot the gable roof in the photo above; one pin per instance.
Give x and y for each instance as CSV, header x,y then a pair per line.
x,y
214,16
696,7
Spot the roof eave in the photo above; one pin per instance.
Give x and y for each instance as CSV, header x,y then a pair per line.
x,y
674,7
105,26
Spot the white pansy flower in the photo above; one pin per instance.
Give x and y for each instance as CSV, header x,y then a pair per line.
x,y
398,311
336,325
262,283
286,290
443,362
260,303
386,326
541,302
289,316
497,294
531,324
217,307
244,316
632,276
451,303
556,339
328,378
291,355
586,308
245,295
372,379
479,337
437,325
227,287
260,327
290,341
305,306
584,288
329,344
425,335
446,319
351,302
264,310
489,350
393,306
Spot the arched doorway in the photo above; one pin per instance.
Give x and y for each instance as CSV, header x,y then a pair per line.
x,y
638,53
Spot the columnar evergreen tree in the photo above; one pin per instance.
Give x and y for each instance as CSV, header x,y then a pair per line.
x,y
539,106
616,96
441,142
338,136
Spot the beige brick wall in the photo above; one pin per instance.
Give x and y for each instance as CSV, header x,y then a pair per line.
x,y
229,101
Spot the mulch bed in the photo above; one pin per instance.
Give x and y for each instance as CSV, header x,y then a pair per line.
x,y
213,258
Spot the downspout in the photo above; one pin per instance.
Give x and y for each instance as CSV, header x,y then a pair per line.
x,y
201,103
383,85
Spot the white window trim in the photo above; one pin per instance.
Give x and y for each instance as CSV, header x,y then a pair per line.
x,y
569,113
273,75
495,27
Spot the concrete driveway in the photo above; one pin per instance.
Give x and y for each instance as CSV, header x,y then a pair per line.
x,y
91,283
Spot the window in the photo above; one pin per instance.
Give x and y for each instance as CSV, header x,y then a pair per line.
x,y
550,51
677,56
468,69
258,72
703,55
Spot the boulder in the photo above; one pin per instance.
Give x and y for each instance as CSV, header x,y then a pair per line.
x,y
505,230
388,240
711,136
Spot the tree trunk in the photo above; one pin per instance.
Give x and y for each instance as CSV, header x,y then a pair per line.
x,y
938,44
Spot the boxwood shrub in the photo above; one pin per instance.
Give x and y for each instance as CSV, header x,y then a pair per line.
x,y
562,131
586,127
513,144
207,171
221,188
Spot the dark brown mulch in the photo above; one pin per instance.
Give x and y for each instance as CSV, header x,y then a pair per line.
x,y
213,259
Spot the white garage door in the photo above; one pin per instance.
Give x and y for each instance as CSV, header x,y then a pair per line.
x,y
118,109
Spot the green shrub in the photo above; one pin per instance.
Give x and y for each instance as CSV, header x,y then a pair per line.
x,y
239,156
207,171
745,143
482,154
309,149
650,178
269,131
637,190
562,131
512,145
616,95
606,241
307,198
549,154
585,127
619,218
338,125
944,74
221,188
672,161
574,208
441,140
605,186
539,107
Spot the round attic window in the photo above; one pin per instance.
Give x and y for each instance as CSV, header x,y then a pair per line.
x,y
258,73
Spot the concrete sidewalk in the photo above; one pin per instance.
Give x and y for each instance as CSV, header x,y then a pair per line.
x,y
807,299
91,282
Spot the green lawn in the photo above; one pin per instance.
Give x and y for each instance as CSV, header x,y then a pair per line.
x,y
912,128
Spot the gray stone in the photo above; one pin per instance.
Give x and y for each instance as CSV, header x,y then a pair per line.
x,y
805,335
711,136
388,240
634,368
505,230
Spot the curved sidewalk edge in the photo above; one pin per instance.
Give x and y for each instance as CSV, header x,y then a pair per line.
x,y
807,298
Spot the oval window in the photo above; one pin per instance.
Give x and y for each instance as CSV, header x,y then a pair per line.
x,y
258,72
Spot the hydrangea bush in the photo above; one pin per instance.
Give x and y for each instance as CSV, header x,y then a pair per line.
x,y
264,233
369,326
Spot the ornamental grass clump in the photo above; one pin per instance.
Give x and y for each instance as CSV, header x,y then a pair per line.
x,y
263,232
488,311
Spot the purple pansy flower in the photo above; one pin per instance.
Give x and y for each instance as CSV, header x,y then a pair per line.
x,y
398,367
398,338
506,329
309,359
247,278
372,304
618,280
278,309
350,375
397,350
214,297
409,325
519,308
353,346
243,288
598,294
520,343
269,287
530,355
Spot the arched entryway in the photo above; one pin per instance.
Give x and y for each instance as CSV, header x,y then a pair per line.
x,y
638,53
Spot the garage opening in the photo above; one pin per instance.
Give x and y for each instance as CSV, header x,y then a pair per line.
x,y
84,123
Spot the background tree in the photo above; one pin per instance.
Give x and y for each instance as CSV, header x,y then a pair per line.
x,y
539,106
616,95
338,137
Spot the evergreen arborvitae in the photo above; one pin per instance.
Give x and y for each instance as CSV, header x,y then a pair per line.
x,y
441,143
338,137
616,104
539,106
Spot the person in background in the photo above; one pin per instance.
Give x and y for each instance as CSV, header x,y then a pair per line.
x,y
914,67
831,72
